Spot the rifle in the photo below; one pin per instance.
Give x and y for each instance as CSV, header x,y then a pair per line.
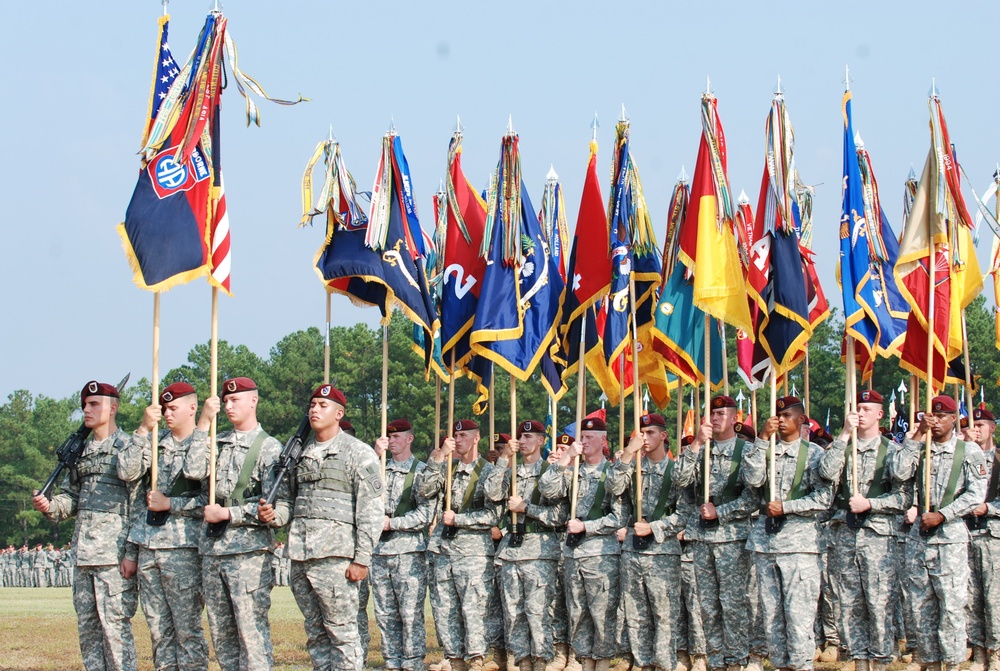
x,y
289,458
71,449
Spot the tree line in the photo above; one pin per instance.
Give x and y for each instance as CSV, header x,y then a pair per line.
x,y
33,426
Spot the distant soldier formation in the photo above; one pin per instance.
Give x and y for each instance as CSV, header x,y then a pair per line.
x,y
589,556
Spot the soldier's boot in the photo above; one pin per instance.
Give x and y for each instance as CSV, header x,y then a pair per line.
x,y
525,664
756,663
978,659
624,664
572,663
538,664
829,655
683,661
993,660
511,663
602,664
734,667
949,666
499,661
589,664
914,664
860,665
699,663
558,662
475,664
443,665
876,665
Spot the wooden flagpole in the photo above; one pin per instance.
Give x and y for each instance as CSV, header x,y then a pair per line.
x,y
636,408
581,400
326,342
805,382
385,392
969,399
451,431
852,391
725,358
513,457
753,408
621,398
914,397
680,415
772,489
154,467
493,426
437,411
707,449
928,439
214,390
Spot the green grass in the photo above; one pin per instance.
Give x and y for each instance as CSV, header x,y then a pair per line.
x,y
38,633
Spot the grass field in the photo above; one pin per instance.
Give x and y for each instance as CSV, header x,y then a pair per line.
x,y
38,633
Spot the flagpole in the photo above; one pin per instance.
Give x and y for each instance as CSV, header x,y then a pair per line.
x,y
154,466
852,391
931,273
326,341
680,414
725,359
451,431
555,419
385,391
581,395
493,426
774,411
213,365
753,408
621,398
806,382
513,457
707,449
914,397
437,412
635,400
969,399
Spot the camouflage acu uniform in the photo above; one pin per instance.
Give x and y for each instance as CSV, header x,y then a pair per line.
x,y
399,567
337,520
463,580
937,567
104,601
169,562
40,567
690,628
721,561
592,568
528,572
983,611
862,561
650,589
788,568
236,567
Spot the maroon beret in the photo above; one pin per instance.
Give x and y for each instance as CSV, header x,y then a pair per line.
x,y
745,431
722,401
331,393
564,439
963,423
396,426
652,419
346,426
983,413
821,437
465,425
943,404
687,440
95,388
175,391
594,424
530,426
236,385
786,402
501,438
870,396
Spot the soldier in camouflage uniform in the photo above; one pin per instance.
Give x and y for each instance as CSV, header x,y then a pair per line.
x,y
529,551
564,657
983,611
592,566
937,562
463,546
399,566
787,559
651,552
169,562
104,589
718,530
39,572
236,568
51,566
5,573
337,522
69,565
862,556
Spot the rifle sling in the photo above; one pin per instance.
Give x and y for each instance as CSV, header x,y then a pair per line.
x,y
246,470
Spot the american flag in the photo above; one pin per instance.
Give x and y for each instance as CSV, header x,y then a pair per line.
x,y
221,256
166,73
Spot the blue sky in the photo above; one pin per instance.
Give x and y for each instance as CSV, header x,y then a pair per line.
x,y
76,81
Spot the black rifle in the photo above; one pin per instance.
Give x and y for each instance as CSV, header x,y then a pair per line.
x,y
71,449
289,458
